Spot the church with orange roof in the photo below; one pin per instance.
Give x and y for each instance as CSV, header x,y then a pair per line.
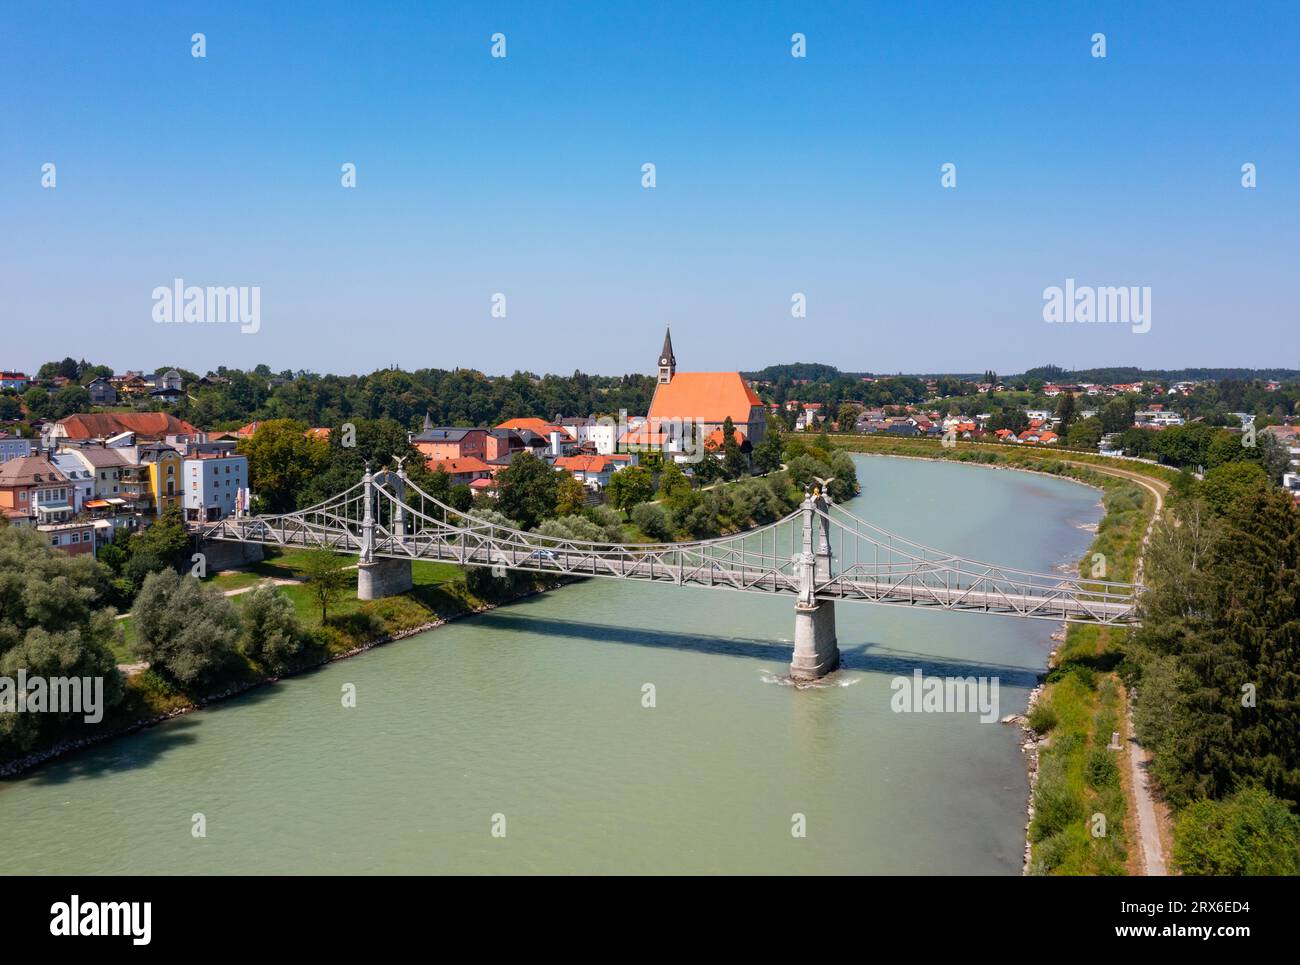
x,y
705,400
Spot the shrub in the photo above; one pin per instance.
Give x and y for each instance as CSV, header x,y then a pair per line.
x,y
652,520
1249,833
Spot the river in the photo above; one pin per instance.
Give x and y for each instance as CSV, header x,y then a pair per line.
x,y
530,719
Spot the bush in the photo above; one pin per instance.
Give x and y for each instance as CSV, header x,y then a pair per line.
x,y
1102,770
652,520
1042,718
186,630
272,636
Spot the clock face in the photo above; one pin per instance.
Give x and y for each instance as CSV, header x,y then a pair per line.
x,y
663,361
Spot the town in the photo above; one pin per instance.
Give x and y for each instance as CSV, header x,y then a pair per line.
x,y
86,455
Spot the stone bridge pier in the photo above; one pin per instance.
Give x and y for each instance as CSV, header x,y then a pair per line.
x,y
381,577
816,648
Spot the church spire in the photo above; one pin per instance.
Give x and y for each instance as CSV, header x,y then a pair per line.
x,y
667,361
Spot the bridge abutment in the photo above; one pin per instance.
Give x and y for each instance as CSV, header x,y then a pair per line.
x,y
383,577
816,648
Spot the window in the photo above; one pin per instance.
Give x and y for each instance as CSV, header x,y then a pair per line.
x,y
76,537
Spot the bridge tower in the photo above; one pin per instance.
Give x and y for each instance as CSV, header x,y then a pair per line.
x,y
816,649
383,576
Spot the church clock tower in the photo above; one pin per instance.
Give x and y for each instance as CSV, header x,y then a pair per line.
x,y
667,361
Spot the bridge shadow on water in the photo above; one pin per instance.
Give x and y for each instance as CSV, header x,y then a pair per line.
x,y
866,657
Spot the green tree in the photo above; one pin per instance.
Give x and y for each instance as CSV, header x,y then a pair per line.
x,y
1249,833
1065,411
527,490
652,519
326,575
1231,483
282,461
734,463
186,630
53,622
767,454
675,490
630,486
570,496
272,636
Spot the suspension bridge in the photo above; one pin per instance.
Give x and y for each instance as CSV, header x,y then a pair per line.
x,y
819,555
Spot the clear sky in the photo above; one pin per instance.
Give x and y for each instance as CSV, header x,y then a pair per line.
x,y
775,175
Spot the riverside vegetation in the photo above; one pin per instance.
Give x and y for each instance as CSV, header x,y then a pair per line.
x,y
1212,671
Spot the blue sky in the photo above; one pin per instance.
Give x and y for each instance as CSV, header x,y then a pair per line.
x,y
775,175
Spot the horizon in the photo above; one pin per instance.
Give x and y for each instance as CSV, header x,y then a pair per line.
x,y
776,176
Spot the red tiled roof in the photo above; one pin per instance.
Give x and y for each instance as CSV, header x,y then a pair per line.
x,y
539,426
146,425
456,467
583,463
711,396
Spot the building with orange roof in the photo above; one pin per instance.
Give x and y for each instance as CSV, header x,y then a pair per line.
x,y
146,426
463,471
703,401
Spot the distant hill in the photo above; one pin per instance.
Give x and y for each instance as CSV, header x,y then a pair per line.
x,y
820,372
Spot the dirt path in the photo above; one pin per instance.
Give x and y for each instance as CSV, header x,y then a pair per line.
x,y
1148,814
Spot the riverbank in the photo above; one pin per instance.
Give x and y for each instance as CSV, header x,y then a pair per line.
x,y
1084,804
145,706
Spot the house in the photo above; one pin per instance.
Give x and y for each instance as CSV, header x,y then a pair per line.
x,y
559,440
17,381
80,478
102,392
686,403
75,537
13,447
450,443
164,467
462,471
145,426
34,492
214,485
592,471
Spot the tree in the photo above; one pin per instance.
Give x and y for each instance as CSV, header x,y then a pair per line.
x,y
630,486
1232,483
847,417
570,496
767,454
282,461
527,490
272,635
734,463
675,489
1065,411
53,622
186,630
1249,833
652,520
326,576
165,541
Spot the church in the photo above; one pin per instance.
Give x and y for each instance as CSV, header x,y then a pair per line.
x,y
706,400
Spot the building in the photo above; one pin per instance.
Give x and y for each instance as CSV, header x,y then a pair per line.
x,y
690,405
145,426
214,485
450,443
164,475
17,381
34,492
14,447
462,472
102,392
75,538
593,472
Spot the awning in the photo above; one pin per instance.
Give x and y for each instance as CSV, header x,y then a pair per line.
x,y
54,508
114,501
96,503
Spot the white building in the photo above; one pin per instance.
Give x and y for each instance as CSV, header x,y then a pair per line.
x,y
213,485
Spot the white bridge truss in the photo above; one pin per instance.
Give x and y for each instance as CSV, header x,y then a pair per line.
x,y
387,516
